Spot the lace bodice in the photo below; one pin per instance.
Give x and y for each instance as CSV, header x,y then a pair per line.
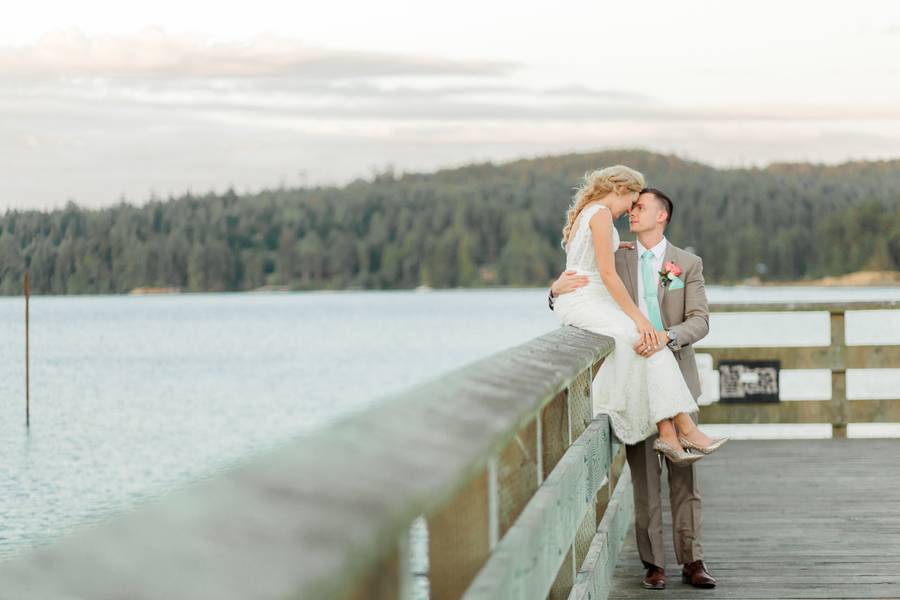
x,y
580,255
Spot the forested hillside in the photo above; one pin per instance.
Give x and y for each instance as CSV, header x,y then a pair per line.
x,y
479,225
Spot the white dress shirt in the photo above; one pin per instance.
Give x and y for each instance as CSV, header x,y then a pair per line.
x,y
659,252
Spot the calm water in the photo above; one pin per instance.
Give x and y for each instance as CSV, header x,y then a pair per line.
x,y
133,396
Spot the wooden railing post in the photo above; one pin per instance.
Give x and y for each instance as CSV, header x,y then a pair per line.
x,y
839,405
583,413
580,412
387,580
556,437
458,540
517,475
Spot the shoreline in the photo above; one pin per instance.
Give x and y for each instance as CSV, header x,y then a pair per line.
x,y
861,279
712,286
857,280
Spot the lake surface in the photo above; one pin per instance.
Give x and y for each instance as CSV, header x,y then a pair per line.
x,y
132,396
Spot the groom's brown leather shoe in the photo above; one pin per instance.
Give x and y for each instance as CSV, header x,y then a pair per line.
x,y
655,579
695,573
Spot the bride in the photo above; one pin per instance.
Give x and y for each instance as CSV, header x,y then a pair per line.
x,y
641,395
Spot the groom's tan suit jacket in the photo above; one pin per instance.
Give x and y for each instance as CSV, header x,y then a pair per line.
x,y
686,313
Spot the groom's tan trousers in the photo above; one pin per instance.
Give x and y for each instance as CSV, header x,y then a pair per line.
x,y
684,499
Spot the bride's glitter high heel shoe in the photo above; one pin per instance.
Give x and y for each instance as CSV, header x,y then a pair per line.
x,y
676,457
689,445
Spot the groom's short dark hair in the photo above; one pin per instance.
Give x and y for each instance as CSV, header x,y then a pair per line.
x,y
663,199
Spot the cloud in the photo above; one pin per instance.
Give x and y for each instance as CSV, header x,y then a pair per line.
x,y
495,86
95,117
154,53
272,78
137,152
270,104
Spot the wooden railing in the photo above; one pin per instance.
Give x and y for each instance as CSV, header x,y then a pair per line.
x,y
837,357
524,494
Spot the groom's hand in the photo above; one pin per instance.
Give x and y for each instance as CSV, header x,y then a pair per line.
x,y
648,351
569,281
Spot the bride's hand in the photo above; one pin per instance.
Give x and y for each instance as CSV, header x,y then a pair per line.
x,y
648,333
646,351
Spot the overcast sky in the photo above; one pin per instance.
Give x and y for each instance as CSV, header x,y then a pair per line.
x,y
101,100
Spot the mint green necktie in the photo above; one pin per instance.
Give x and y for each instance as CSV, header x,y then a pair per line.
x,y
650,290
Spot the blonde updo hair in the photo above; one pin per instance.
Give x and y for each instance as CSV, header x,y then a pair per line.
x,y
597,184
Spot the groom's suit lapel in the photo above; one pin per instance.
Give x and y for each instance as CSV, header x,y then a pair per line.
x,y
667,257
675,312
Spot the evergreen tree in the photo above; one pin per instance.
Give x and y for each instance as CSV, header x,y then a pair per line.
x,y
478,225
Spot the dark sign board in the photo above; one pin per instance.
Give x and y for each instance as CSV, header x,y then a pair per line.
x,y
748,380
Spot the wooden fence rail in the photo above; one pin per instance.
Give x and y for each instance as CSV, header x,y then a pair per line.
x,y
837,357
502,457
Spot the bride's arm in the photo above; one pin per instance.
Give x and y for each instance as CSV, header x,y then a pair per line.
x,y
601,232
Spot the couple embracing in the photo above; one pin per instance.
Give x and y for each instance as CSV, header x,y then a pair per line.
x,y
650,297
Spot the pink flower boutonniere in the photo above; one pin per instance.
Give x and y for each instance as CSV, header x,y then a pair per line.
x,y
669,273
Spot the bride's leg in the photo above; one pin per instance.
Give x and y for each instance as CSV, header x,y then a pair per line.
x,y
688,429
668,434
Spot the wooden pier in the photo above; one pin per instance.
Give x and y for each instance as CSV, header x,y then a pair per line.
x,y
796,518
790,519
525,495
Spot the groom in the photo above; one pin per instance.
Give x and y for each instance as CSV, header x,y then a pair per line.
x,y
682,315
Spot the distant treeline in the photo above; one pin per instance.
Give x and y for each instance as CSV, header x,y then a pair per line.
x,y
479,225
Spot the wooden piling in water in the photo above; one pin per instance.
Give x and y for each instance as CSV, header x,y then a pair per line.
x,y
27,373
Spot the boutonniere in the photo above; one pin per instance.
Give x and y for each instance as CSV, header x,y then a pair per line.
x,y
669,276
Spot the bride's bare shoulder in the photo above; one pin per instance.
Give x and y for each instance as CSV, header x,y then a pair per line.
x,y
599,216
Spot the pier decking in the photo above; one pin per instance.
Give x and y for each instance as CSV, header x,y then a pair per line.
x,y
790,519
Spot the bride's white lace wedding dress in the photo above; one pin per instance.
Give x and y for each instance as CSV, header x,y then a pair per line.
x,y
635,392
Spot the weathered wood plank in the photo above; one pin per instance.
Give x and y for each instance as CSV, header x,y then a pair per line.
x,y
814,357
526,562
564,579
583,538
874,411
840,410
555,432
517,474
604,495
458,539
581,410
310,518
833,307
789,519
387,580
802,411
594,579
